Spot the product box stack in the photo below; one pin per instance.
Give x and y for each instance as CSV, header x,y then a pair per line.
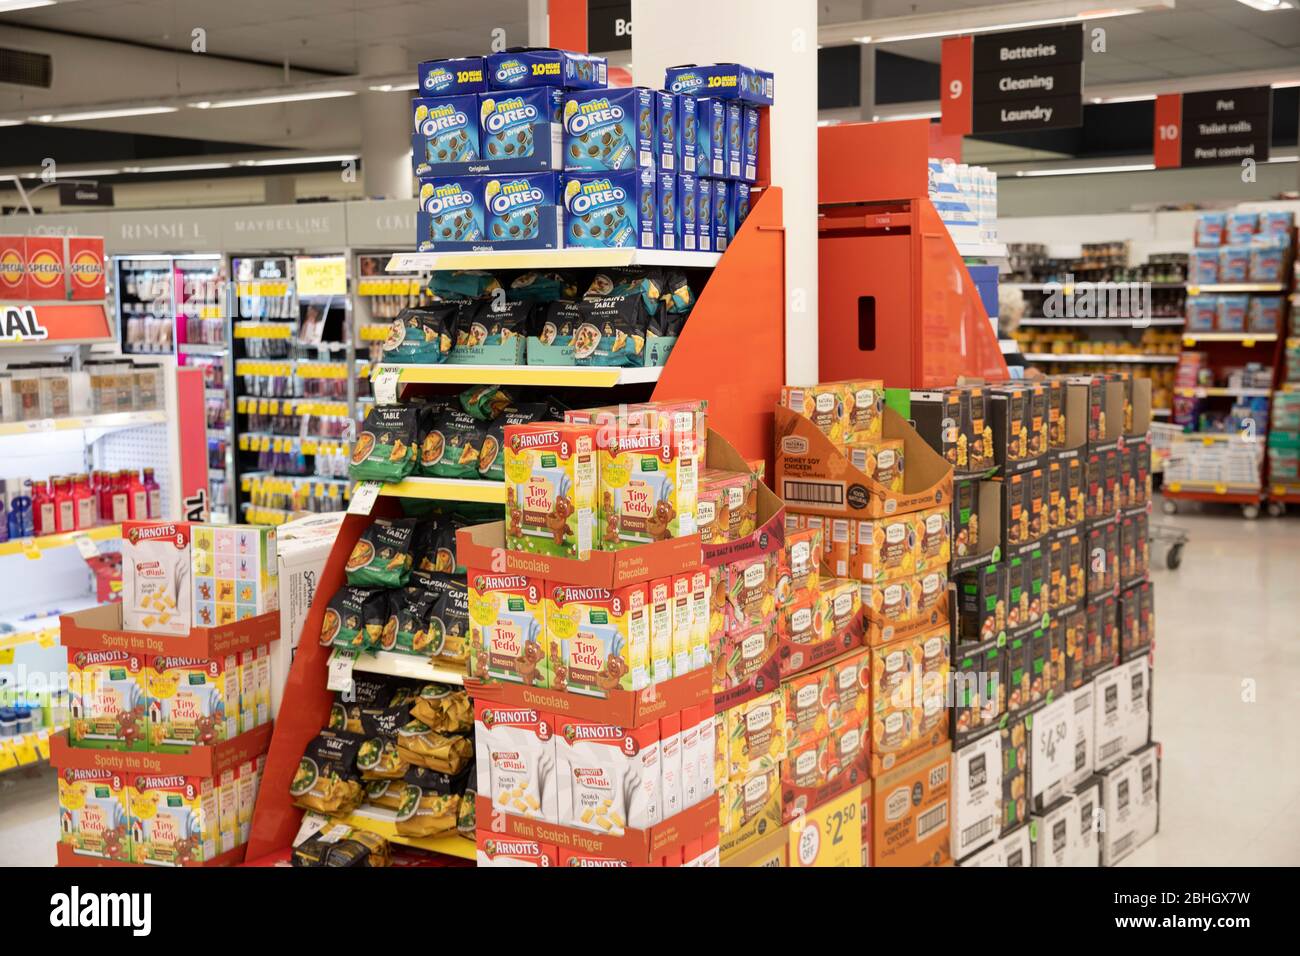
x,y
1238,248
175,680
1284,423
854,470
1052,619
531,149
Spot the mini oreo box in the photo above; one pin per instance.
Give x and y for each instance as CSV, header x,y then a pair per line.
x,y
721,214
686,212
734,141
704,214
521,67
749,146
444,131
609,129
740,197
666,210
450,215
687,134
522,211
710,137
728,81
467,74
520,131
667,132
609,210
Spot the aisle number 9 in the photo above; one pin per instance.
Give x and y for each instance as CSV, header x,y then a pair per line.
x,y
955,89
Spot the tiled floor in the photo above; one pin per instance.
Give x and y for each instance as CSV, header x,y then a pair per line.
x,y
1230,784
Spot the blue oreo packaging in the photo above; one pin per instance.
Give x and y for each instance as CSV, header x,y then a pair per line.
x,y
735,140
520,131
739,208
686,212
710,137
466,74
704,213
729,81
721,214
445,132
450,214
609,209
667,131
521,67
521,211
749,147
687,137
666,210
609,129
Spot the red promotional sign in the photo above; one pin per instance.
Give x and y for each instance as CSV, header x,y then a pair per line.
x,y
955,75
45,266
86,267
1167,137
26,323
13,275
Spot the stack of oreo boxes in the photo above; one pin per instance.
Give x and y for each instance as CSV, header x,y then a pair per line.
x,y
530,149
1053,763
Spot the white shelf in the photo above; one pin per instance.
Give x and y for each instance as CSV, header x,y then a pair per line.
x,y
1100,323
196,348
1216,392
547,375
1195,288
1044,286
109,422
404,262
34,547
407,665
982,250
1246,338
1082,357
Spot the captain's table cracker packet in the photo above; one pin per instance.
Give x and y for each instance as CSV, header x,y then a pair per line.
x,y
609,129
610,209
598,640
551,485
156,593
507,628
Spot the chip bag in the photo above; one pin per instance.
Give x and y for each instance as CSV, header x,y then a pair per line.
x,y
422,336
382,555
357,619
385,450
327,780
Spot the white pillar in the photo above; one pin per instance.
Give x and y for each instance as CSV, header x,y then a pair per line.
x,y
776,35
539,24
385,126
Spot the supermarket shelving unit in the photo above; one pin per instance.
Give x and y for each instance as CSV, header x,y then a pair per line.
x,y
739,311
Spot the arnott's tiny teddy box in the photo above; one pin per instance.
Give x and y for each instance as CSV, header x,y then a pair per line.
x,y
551,482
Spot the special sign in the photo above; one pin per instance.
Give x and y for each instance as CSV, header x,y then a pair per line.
x,y
1012,82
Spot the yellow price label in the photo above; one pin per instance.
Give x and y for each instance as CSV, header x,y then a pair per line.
x,y
6,656
25,751
1193,290
43,746
7,759
830,835
1248,342
48,639
30,549
1220,489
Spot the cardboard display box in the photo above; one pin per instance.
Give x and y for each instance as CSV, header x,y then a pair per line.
x,y
976,795
909,812
976,523
765,851
1087,835
302,550
1130,799
1053,833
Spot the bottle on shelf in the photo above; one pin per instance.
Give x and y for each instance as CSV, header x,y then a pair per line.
x,y
154,491
139,496
120,509
19,521
84,498
65,509
41,504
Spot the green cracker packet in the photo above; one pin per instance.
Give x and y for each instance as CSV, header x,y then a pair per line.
x,y
485,402
382,555
450,448
491,459
449,617
434,547
412,605
422,336
542,287
356,618
460,284
385,449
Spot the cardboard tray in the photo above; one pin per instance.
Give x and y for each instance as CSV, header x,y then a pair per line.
x,y
66,857
483,546
638,845
814,476
850,778
626,708
100,629
199,762
880,631
769,532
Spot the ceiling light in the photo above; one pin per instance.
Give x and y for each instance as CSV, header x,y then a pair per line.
x,y
74,174
179,168
932,114
9,122
1142,98
299,160
1267,5
1001,27
1084,170
273,98
101,114
10,6
394,87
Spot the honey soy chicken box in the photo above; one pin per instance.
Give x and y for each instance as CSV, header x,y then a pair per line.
x,y
551,474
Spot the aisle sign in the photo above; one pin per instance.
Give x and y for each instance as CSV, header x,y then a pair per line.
x,y
1213,127
1012,82
829,835
324,276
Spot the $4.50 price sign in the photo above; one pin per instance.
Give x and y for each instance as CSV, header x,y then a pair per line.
x,y
829,835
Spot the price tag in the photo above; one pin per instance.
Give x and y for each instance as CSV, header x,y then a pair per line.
x,y
7,760
85,546
43,744
6,656
341,663
335,833
312,823
25,751
41,425
363,498
831,835
385,384
30,550
48,638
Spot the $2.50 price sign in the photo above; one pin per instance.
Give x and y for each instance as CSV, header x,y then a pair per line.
x,y
829,835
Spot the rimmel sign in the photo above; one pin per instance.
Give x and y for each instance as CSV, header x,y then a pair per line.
x,y
1213,128
1010,82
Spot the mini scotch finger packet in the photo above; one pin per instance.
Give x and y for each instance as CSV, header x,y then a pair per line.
x,y
156,577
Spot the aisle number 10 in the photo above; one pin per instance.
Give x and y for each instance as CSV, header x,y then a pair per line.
x,y
1167,145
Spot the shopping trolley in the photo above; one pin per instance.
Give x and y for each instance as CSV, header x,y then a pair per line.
x,y
1171,539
